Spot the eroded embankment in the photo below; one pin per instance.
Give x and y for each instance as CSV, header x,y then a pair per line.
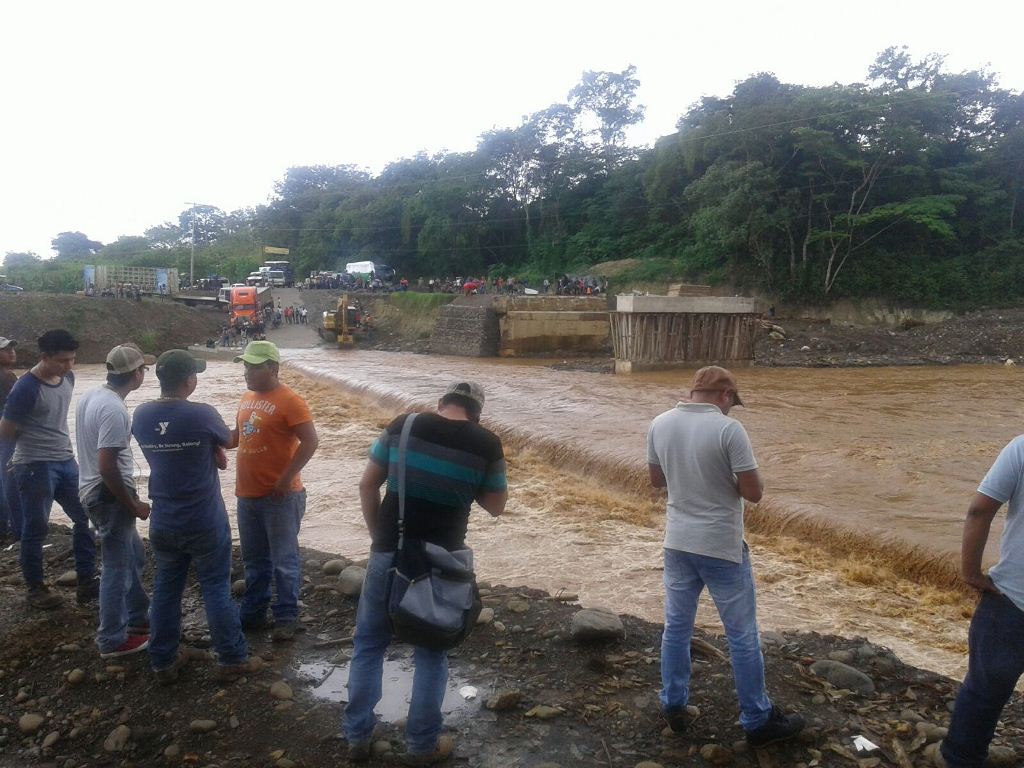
x,y
583,522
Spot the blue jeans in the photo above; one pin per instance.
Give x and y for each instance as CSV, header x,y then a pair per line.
x,y
40,483
268,531
732,588
995,664
372,637
210,552
123,600
10,504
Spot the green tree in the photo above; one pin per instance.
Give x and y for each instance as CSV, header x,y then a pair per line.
x,y
74,246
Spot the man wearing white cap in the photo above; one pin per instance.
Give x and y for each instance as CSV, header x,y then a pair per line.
x,y
106,487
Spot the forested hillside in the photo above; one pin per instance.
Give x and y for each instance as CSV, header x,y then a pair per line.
x,y
907,186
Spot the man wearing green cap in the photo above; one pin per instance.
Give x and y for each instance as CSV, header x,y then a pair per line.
x,y
275,436
183,443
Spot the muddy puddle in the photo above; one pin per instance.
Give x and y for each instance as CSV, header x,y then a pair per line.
x,y
329,682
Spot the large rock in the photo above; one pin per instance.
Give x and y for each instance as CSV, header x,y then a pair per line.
x,y
117,739
1001,757
334,567
202,726
716,754
503,699
30,723
843,676
596,624
281,690
350,580
67,579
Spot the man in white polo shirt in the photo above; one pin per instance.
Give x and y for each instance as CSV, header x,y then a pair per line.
x,y
706,461
996,640
106,488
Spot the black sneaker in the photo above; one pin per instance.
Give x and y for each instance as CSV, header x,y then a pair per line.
x,y
87,591
678,719
779,727
256,623
359,751
40,596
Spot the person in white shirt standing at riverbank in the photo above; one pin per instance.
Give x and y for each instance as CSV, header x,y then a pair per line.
x,y
996,641
706,461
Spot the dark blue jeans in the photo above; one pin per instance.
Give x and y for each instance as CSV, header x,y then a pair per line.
x,y
268,531
995,664
10,504
210,552
41,483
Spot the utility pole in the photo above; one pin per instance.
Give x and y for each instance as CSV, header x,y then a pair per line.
x,y
192,260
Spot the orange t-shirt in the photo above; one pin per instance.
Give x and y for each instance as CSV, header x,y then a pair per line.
x,y
266,440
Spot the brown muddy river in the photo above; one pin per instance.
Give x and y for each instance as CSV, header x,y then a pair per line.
x,y
891,453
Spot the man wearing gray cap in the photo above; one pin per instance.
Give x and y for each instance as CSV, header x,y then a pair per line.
x,y
184,445
451,462
10,511
106,486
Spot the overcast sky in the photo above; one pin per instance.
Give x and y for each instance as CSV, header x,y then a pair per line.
x,y
117,115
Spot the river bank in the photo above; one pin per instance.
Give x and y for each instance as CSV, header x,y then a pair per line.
x,y
539,698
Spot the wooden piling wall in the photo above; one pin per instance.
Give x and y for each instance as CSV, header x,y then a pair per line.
x,y
663,339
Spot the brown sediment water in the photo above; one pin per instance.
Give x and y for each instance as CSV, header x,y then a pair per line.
x,y
868,474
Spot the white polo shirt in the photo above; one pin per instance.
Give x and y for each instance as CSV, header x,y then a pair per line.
x,y
700,450
1005,483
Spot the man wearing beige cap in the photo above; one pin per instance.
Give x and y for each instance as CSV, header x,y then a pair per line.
x,y
106,487
706,461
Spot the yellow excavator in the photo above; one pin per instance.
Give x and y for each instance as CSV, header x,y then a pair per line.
x,y
343,324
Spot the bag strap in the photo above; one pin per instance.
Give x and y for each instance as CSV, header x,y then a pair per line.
x,y
403,444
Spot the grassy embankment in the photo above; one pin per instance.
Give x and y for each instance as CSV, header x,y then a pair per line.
x,y
408,316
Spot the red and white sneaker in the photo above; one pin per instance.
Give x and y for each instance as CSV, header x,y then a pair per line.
x,y
133,644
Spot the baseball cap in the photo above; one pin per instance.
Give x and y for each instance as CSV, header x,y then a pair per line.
x,y
713,378
469,389
126,358
176,365
257,352
5,343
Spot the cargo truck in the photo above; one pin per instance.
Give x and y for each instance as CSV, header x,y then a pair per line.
x,y
246,302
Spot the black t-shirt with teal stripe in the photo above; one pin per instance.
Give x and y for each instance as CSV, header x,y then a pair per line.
x,y
448,464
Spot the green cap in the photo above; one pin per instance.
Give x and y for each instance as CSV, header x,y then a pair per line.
x,y
176,365
257,352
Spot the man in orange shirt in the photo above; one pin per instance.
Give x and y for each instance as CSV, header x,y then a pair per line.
x,y
275,436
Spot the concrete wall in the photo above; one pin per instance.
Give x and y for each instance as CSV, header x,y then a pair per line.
x,y
470,331
872,312
553,333
687,304
504,304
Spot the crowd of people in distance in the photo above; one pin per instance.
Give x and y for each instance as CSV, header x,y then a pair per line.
x,y
701,455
